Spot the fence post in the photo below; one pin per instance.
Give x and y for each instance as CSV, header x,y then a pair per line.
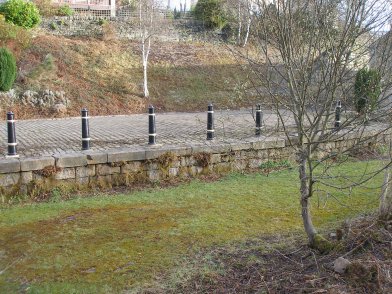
x,y
85,130
210,122
259,118
337,114
11,135
152,131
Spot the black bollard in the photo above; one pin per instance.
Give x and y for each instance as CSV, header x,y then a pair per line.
x,y
85,130
210,122
152,131
259,118
337,114
11,135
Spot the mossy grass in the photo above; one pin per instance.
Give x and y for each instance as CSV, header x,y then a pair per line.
x,y
108,243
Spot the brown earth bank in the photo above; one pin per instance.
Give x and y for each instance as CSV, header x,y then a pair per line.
x,y
284,264
106,76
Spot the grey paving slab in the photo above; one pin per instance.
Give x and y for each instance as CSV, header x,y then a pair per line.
x,y
46,137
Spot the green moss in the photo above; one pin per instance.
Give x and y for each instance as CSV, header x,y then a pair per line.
x,y
321,244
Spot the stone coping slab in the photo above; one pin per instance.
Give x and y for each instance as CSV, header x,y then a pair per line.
x,y
138,153
89,157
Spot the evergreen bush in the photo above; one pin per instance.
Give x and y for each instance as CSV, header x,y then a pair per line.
x,y
367,89
7,69
211,13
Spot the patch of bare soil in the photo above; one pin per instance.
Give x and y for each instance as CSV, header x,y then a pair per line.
x,y
255,267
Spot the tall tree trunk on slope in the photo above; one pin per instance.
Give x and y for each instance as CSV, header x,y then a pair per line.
x,y
385,209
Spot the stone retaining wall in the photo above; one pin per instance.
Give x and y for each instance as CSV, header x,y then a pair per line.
x,y
91,169
167,29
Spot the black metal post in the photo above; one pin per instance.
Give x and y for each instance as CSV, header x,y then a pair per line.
x,y
259,118
338,110
152,131
11,135
210,122
85,130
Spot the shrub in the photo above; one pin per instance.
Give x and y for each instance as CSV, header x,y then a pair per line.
x,y
7,69
211,13
53,26
45,7
102,22
367,89
12,36
65,10
21,13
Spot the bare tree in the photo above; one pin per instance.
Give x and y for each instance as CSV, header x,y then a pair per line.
x,y
244,14
249,15
147,10
310,51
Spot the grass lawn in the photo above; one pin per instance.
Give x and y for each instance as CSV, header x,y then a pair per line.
x,y
106,244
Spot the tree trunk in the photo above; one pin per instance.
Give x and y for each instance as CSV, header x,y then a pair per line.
x,y
385,209
316,241
247,31
145,85
239,23
305,194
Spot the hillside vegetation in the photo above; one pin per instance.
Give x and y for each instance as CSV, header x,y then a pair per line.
x,y
106,76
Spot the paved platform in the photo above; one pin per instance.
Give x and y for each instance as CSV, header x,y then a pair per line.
x,y
46,137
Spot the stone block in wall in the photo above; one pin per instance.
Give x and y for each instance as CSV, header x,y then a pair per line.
x,y
291,141
23,189
240,165
237,155
26,177
85,171
275,154
131,167
153,175
174,171
329,146
9,166
83,181
248,154
151,166
222,167
105,169
176,163
263,153
192,170
30,164
215,158
126,155
9,179
104,181
227,157
70,160
65,173
187,161
255,162
95,157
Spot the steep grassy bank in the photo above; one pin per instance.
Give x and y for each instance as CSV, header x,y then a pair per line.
x,y
106,76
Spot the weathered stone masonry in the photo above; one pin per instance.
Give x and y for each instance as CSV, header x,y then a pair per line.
x,y
128,166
